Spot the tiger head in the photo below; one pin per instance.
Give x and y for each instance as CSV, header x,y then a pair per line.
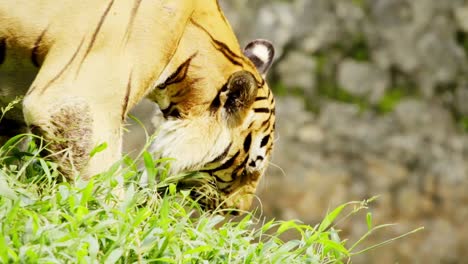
x,y
219,113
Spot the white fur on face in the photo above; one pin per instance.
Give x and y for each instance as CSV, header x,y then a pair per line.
x,y
190,146
258,155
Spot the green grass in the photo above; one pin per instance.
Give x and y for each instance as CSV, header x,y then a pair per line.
x,y
46,219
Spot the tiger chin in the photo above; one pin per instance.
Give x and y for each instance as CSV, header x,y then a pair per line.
x,y
82,65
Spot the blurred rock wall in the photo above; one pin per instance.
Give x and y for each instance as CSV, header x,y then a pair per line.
x,y
372,100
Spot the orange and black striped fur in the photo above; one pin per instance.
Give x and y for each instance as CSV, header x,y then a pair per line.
x,y
81,65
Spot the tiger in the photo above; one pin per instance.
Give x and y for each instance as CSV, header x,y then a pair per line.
x,y
82,65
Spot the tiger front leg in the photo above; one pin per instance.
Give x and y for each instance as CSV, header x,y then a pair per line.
x,y
73,124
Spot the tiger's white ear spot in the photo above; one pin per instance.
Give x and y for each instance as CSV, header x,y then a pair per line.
x,y
261,52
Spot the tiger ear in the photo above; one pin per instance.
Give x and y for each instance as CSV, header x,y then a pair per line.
x,y
261,52
241,92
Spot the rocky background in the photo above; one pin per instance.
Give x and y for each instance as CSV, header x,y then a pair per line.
x,y
372,100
